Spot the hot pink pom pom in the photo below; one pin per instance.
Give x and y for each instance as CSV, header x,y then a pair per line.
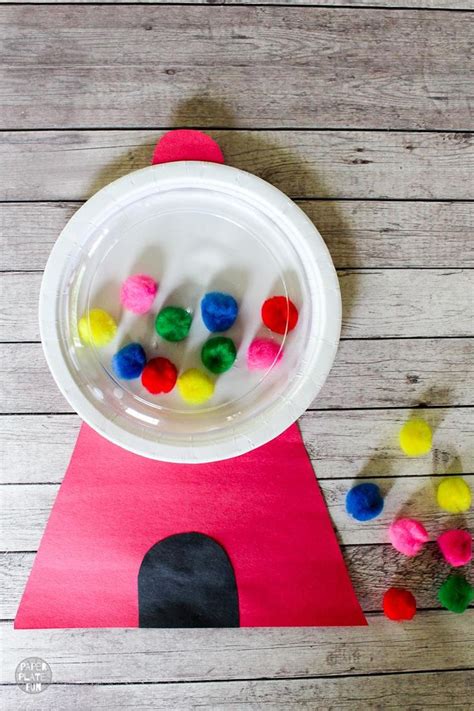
x,y
407,536
263,353
138,293
456,547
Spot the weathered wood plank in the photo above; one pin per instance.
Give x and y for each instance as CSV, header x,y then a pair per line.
x,y
147,66
390,4
366,374
410,496
381,303
421,691
341,444
359,234
72,165
432,641
373,569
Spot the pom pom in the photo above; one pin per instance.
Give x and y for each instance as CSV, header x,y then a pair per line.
x,y
159,376
173,323
138,293
219,311
454,495
263,353
456,547
97,328
407,536
195,387
399,604
456,594
279,314
129,361
415,438
364,502
218,354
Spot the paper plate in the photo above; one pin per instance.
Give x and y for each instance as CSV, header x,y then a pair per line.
x,y
195,227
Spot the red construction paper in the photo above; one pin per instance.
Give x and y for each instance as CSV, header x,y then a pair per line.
x,y
186,144
265,508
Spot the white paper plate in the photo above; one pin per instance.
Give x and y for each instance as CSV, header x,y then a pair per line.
x,y
195,227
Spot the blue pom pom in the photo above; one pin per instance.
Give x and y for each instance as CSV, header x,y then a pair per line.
x,y
129,361
364,502
219,311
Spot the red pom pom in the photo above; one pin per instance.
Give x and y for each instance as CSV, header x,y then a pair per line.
x,y
279,314
159,376
399,604
186,144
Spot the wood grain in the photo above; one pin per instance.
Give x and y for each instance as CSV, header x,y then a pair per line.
x,y
373,569
341,444
388,4
432,641
376,304
410,496
72,165
130,66
359,234
366,374
426,690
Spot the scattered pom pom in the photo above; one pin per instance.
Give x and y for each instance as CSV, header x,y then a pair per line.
x,y
456,547
399,604
219,311
218,354
456,594
263,353
97,328
129,361
364,502
138,293
279,314
173,323
454,495
159,376
416,438
195,387
407,536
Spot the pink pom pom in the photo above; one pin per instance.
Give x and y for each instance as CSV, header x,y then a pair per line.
x,y
407,536
138,293
263,353
456,547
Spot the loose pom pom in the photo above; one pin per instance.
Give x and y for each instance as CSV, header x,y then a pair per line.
x,y
407,536
263,353
364,502
456,594
218,354
399,604
415,438
219,311
454,495
97,328
159,376
129,361
195,387
456,547
279,314
173,323
138,293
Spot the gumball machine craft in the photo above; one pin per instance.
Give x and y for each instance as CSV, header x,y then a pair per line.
x,y
190,362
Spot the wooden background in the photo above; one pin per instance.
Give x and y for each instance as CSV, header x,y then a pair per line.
x,y
362,111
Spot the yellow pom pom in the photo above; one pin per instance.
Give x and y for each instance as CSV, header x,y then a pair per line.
x,y
97,328
195,386
415,438
454,495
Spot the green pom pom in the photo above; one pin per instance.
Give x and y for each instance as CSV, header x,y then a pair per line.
x,y
218,354
456,593
173,323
